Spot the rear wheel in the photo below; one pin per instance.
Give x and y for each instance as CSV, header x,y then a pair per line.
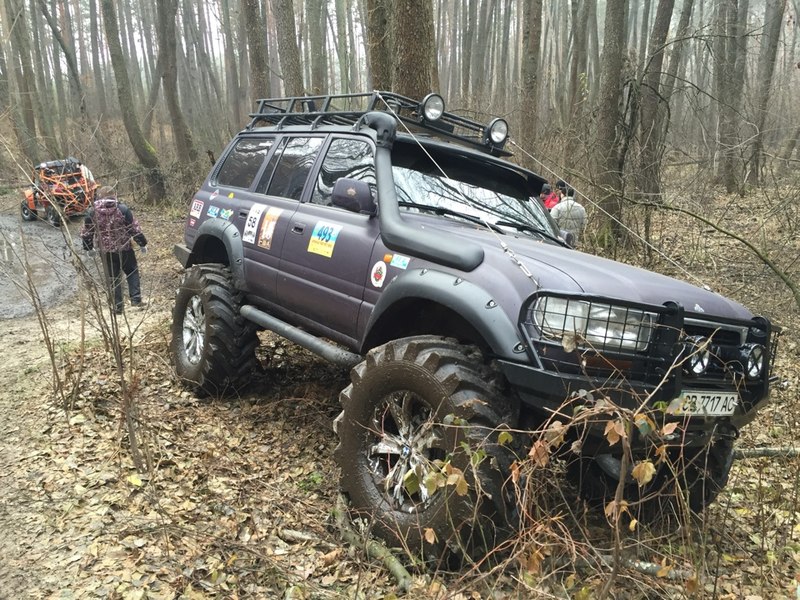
x,y
51,215
212,345
421,410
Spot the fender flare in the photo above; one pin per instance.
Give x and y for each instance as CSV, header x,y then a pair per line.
x,y
226,232
473,303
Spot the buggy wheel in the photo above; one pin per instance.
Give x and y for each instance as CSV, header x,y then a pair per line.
x,y
691,478
420,412
51,215
212,345
26,213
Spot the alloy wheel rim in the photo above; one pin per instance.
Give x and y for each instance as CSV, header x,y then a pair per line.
x,y
194,330
407,451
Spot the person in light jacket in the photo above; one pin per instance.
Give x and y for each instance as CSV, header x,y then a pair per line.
x,y
569,215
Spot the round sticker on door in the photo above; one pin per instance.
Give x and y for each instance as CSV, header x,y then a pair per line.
x,y
378,274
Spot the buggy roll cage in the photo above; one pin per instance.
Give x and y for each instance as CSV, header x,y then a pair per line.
x,y
348,109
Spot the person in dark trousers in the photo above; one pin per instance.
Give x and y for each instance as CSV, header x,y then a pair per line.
x,y
109,227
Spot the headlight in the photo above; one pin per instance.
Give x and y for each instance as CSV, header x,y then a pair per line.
x,y
753,358
596,325
432,107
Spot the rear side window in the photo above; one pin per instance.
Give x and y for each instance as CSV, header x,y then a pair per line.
x,y
243,162
296,161
345,158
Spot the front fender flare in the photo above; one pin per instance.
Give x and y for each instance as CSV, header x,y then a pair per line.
x,y
226,232
473,303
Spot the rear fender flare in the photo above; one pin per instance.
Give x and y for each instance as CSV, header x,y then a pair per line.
x,y
476,305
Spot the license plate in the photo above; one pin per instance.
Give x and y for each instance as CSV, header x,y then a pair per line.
x,y
704,403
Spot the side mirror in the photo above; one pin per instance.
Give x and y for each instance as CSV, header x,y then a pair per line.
x,y
353,195
569,237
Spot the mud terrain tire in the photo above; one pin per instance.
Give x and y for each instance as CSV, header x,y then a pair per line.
x,y
26,213
51,215
697,475
413,401
212,345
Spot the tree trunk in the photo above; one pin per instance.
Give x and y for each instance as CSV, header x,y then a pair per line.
x,y
379,44
608,157
529,92
184,144
315,13
773,19
413,47
72,64
141,147
341,46
100,88
288,51
651,141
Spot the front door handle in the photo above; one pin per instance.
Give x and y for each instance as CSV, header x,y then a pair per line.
x,y
298,228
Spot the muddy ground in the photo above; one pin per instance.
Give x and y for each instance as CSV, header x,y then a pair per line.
x,y
236,495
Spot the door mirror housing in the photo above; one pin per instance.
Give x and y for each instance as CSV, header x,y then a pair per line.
x,y
353,195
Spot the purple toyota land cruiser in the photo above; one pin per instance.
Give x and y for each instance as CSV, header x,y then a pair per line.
x,y
391,237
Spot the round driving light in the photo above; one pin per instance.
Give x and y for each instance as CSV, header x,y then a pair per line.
x,y
432,107
497,132
753,356
700,355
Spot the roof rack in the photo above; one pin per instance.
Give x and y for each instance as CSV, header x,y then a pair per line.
x,y
347,109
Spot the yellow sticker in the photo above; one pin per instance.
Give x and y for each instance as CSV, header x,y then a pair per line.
x,y
323,238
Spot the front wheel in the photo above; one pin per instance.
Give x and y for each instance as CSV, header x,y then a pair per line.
x,y
26,212
212,345
419,449
691,477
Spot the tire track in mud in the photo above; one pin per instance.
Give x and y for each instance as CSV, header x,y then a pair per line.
x,y
34,258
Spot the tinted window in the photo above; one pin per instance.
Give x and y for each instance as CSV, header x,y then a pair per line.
x,y
296,160
243,162
345,158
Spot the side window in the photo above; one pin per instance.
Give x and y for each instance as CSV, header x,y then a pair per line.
x,y
243,162
292,170
345,158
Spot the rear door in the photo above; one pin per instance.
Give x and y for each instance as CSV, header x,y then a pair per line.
x,y
325,261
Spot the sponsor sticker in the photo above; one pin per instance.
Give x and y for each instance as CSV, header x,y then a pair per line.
x,y
197,209
251,225
399,261
230,195
378,274
323,238
192,222
268,227
226,213
213,195
213,211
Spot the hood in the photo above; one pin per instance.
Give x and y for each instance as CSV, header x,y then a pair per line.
x,y
561,269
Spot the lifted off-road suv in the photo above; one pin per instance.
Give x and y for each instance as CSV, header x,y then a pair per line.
x,y
390,236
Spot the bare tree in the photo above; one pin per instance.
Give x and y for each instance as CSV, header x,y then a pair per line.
x,y
379,44
141,147
184,144
773,18
609,157
287,47
414,48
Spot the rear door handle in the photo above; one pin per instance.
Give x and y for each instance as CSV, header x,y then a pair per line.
x,y
298,227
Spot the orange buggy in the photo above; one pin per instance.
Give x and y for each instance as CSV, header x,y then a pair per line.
x,y
67,184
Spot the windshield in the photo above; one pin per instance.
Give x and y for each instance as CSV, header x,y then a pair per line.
x,y
476,194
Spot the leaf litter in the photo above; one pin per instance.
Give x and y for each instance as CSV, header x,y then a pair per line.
x,y
238,502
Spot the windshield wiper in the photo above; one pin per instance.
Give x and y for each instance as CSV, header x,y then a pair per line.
x,y
441,210
537,230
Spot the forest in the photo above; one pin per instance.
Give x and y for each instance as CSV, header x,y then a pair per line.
x,y
675,121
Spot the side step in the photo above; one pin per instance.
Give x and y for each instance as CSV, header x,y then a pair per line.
x,y
327,350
